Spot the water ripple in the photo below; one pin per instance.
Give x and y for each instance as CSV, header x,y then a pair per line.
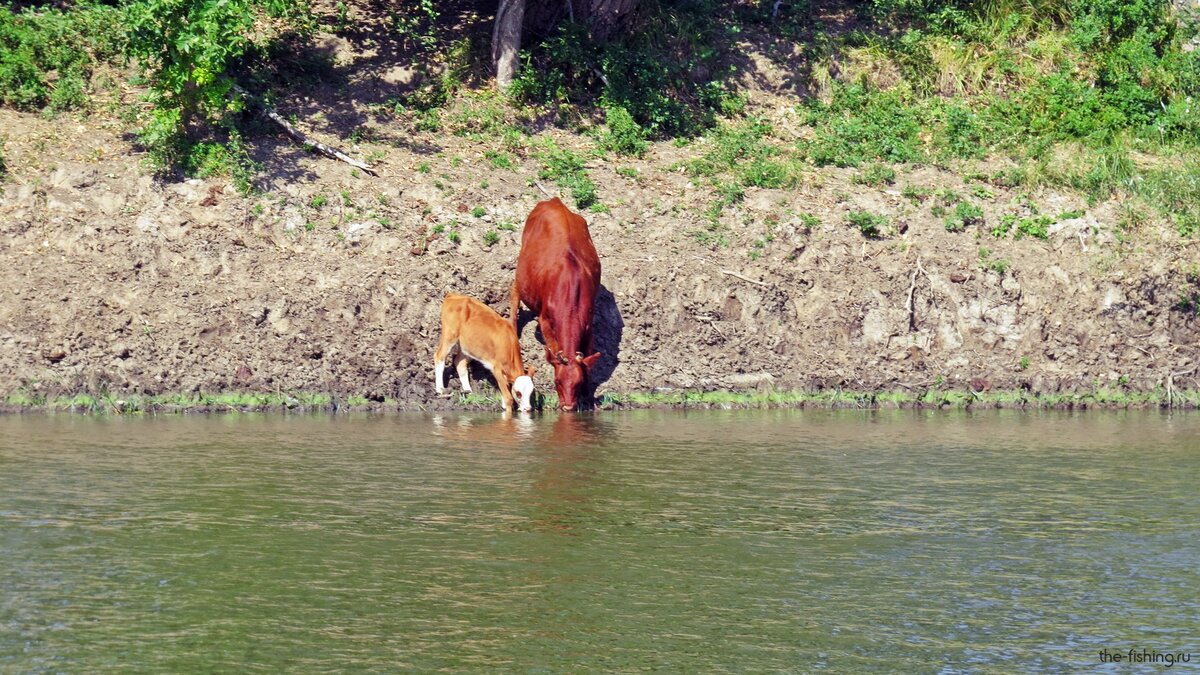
x,y
714,541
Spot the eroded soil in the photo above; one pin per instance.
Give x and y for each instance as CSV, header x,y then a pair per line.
x,y
330,280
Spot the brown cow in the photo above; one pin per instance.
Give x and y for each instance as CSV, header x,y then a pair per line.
x,y
471,329
558,274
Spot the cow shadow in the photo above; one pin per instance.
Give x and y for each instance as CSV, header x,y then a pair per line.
x,y
608,328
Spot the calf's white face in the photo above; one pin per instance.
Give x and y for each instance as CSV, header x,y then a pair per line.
x,y
522,391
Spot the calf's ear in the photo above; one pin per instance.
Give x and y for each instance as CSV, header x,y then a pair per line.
x,y
530,370
590,361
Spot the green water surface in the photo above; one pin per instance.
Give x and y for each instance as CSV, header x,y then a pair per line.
x,y
715,541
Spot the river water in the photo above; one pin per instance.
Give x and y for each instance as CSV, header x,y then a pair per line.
x,y
713,541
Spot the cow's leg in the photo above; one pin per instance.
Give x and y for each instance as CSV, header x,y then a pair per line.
x,y
552,347
439,362
505,389
516,309
460,364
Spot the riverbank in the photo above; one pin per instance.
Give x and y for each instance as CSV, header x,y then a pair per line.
x,y
732,261
307,402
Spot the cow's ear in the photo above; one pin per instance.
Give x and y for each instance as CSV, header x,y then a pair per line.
x,y
590,361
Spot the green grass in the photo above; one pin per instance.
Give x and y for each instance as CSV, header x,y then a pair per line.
x,y
622,134
965,214
876,175
566,169
499,159
47,55
743,153
871,225
935,397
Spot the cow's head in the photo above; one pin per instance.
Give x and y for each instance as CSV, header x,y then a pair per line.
x,y
571,378
522,390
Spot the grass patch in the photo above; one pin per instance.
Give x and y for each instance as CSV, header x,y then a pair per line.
x,y
871,225
965,214
566,169
876,175
47,55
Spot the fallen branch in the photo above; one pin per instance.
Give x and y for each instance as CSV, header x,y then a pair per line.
x,y
321,147
303,138
912,290
711,323
910,305
1171,394
542,188
746,279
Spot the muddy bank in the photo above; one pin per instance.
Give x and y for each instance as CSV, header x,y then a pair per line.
x,y
116,283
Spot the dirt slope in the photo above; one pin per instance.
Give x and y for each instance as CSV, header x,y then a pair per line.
x,y
331,281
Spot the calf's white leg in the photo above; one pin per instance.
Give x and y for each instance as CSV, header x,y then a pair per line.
x,y
460,363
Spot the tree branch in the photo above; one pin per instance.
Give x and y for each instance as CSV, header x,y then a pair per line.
x,y
301,137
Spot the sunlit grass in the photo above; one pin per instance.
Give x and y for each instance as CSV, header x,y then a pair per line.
x,y
952,399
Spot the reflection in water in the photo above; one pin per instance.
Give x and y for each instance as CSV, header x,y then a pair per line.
x,y
568,473
481,431
685,542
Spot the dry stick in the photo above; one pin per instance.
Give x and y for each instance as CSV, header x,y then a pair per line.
x,y
321,147
542,188
912,289
711,323
746,279
1171,386
301,137
910,305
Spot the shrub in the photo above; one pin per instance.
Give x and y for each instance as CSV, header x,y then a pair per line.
x,y
623,135
1007,222
649,72
229,159
189,50
34,44
961,132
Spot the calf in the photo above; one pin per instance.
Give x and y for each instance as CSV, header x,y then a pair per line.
x,y
558,274
473,330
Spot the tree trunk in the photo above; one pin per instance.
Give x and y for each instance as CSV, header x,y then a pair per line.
x,y
506,41
603,18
